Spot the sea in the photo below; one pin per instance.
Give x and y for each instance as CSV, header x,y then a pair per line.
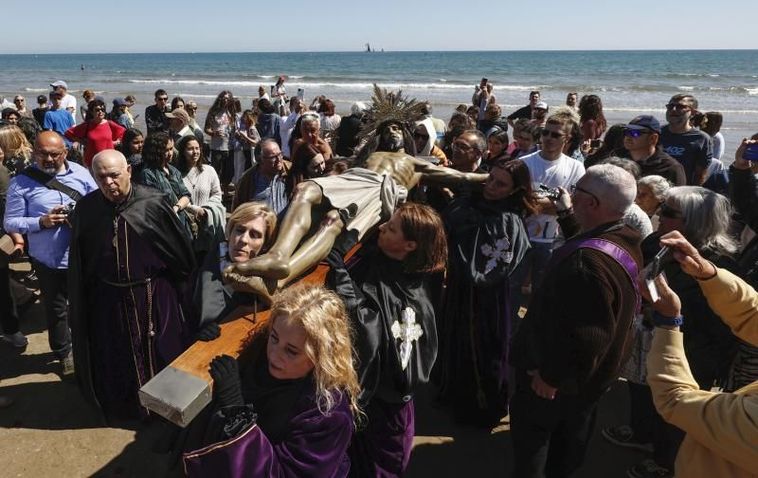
x,y
629,83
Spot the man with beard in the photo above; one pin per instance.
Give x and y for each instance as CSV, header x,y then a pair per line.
x,y
38,205
358,200
688,145
129,257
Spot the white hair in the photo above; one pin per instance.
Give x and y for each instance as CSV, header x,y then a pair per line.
x,y
358,107
706,217
658,185
615,187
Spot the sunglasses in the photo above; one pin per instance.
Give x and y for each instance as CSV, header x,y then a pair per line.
x,y
163,98
18,100
669,212
634,133
98,108
677,106
553,134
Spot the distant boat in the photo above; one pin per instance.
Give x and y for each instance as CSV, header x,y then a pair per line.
x,y
368,47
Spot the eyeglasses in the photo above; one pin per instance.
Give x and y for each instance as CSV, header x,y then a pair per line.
x,y
576,188
49,154
462,146
634,133
669,212
98,108
18,100
677,106
162,98
553,134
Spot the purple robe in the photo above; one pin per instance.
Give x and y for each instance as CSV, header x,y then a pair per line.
x,y
315,446
131,343
383,448
128,261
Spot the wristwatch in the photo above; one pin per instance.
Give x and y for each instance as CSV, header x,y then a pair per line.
x,y
663,321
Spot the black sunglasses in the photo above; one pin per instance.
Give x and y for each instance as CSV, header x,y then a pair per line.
x,y
553,134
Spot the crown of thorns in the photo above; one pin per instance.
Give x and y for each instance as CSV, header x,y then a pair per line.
x,y
388,106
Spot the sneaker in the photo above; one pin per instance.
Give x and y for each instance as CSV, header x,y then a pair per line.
x,y
648,469
623,435
17,340
67,365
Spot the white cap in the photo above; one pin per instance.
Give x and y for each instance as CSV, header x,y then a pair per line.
x,y
59,83
541,105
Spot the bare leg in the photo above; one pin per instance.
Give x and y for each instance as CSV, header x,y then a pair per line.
x,y
316,248
275,263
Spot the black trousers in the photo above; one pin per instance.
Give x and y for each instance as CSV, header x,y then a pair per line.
x,y
223,163
53,285
8,310
549,437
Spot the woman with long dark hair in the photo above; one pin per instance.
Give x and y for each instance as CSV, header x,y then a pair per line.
x,y
131,147
158,173
487,240
220,125
591,118
206,209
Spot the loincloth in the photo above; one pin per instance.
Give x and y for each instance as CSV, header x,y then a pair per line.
x,y
362,196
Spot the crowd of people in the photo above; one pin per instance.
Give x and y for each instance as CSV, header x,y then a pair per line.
x,y
504,259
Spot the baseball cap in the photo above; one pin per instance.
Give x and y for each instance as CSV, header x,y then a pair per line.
x,y
645,122
541,105
41,99
179,113
119,102
59,83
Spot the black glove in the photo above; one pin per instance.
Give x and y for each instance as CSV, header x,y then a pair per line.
x,y
345,241
210,331
227,385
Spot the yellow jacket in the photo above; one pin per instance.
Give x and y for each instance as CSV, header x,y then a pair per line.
x,y
722,428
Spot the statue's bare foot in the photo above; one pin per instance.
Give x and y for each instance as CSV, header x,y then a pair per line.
x,y
269,265
263,288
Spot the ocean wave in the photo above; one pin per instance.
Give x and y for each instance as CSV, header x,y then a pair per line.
x,y
752,91
265,77
333,84
685,88
296,77
35,90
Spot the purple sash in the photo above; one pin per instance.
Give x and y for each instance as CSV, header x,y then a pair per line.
x,y
614,251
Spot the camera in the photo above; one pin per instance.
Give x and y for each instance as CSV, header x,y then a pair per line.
x,y
548,192
595,143
68,209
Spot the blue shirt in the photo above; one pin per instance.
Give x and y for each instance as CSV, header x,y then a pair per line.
x,y
59,121
28,200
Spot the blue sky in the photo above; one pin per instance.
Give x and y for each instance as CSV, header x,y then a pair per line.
x,y
87,26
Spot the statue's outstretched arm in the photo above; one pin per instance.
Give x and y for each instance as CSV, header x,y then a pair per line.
x,y
432,174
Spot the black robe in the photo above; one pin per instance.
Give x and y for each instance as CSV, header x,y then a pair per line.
x,y
163,253
486,243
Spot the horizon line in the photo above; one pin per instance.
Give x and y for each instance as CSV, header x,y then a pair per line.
x,y
381,51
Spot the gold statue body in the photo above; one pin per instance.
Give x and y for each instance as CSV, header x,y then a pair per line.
x,y
286,261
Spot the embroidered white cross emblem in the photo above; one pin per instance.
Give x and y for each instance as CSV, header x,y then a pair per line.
x,y
499,253
406,332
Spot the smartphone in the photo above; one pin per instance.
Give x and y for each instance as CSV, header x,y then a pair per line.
x,y
300,93
595,143
751,152
655,267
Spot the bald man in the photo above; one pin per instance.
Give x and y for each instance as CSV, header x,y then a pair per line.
x,y
38,205
129,259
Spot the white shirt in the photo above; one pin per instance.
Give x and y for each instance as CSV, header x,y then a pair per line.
x,y
563,172
286,125
69,101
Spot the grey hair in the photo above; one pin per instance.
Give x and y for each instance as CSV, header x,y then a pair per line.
x,y
615,186
657,184
706,217
358,107
310,118
626,164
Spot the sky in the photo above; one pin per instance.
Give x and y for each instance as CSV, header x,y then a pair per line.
x,y
136,26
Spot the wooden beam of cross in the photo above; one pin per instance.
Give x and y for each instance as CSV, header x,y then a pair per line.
x,y
180,391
